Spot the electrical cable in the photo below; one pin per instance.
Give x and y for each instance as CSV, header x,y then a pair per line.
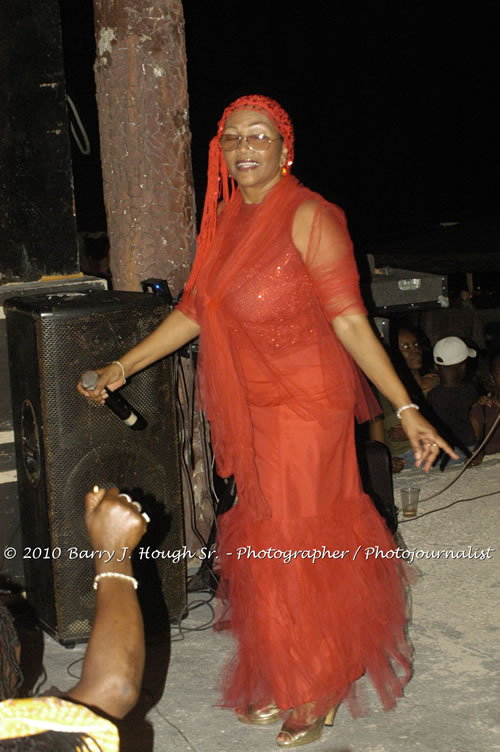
x,y
185,399
182,629
85,148
179,637
213,583
176,728
180,385
208,466
466,465
73,663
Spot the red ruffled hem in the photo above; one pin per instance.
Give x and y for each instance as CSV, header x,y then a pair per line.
x,y
314,604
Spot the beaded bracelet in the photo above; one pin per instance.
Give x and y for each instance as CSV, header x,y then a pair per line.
x,y
406,407
117,362
119,575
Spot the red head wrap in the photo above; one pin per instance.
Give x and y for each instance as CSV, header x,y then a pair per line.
x,y
218,175
274,112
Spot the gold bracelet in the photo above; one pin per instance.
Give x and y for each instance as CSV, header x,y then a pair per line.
x,y
123,370
119,575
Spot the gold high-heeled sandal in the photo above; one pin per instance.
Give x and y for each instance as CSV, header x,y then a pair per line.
x,y
261,717
305,734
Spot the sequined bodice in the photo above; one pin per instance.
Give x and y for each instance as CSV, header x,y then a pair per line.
x,y
272,297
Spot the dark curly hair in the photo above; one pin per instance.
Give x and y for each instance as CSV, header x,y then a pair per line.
x,y
48,741
10,673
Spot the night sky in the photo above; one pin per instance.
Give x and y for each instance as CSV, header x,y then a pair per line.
x,y
394,103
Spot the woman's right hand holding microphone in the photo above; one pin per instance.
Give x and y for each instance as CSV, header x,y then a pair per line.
x,y
112,377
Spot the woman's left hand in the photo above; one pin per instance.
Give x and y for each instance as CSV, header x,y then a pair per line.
x,y
424,439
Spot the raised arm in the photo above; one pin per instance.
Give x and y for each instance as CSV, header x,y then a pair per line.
x,y
174,332
114,661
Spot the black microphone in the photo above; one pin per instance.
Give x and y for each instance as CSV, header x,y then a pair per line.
x,y
116,403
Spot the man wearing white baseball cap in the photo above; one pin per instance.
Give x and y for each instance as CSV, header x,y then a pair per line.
x,y
453,398
452,350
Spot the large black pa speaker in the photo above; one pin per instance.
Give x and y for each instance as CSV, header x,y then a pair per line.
x,y
65,445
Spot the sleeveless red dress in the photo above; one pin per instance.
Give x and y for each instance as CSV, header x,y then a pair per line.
x,y
310,603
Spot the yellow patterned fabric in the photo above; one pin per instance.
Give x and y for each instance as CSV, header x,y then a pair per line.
x,y
34,715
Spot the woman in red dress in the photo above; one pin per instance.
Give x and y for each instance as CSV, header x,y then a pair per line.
x,y
317,599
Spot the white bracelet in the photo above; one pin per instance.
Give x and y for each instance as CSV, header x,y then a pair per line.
x,y
123,370
115,574
406,407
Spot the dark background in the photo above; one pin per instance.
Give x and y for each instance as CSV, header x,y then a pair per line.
x,y
394,106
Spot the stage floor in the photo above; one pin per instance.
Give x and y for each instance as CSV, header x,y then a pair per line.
x,y
450,704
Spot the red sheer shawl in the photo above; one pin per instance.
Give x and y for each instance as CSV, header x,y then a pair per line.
x,y
331,272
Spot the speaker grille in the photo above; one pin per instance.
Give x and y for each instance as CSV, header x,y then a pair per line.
x,y
83,444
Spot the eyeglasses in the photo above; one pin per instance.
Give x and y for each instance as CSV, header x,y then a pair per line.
x,y
255,142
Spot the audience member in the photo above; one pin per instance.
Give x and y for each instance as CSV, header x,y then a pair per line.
x,y
410,347
408,360
109,686
453,398
485,412
10,672
465,300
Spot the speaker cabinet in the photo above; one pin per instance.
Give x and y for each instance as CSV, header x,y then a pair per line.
x,y
11,570
375,467
65,445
